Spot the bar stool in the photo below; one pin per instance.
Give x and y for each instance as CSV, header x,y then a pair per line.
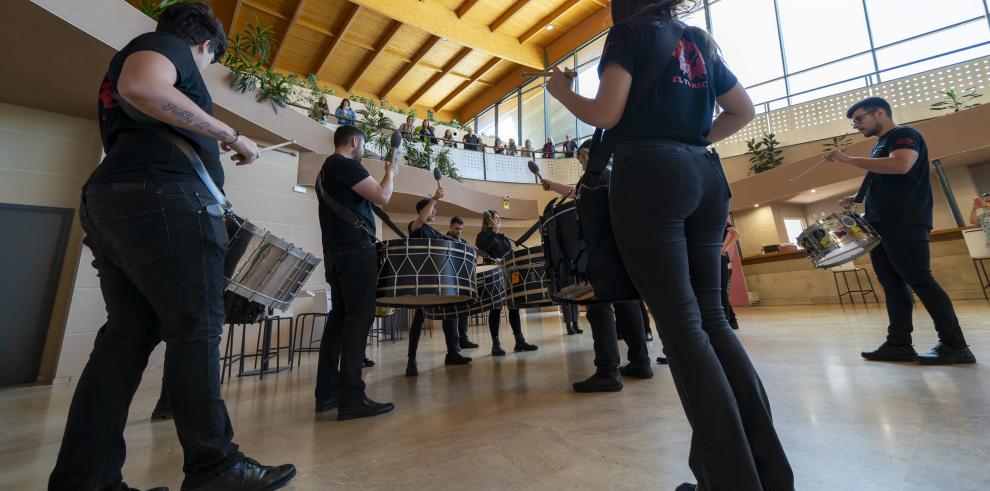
x,y
976,243
264,351
301,345
845,269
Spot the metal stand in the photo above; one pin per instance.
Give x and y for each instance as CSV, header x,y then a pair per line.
x,y
265,353
981,273
859,291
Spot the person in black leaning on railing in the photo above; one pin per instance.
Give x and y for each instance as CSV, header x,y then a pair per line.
x,y
158,239
666,182
351,263
492,242
470,140
420,228
898,194
456,229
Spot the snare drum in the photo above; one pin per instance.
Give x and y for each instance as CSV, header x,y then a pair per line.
x,y
838,238
491,296
525,277
263,268
425,272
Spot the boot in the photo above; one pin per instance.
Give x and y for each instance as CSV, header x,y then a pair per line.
x,y
497,347
570,330
522,345
411,370
577,329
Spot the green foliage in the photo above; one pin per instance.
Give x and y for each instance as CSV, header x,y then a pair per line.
x,y
765,154
154,8
427,155
376,125
276,88
837,143
951,100
316,98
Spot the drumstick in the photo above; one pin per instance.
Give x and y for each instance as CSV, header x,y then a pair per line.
x,y
808,171
265,149
567,71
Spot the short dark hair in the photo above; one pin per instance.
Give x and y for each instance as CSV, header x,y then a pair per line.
x,y
585,145
457,221
422,204
193,22
871,104
343,135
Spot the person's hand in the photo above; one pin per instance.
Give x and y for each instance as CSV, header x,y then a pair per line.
x,y
437,196
838,155
980,202
247,150
847,202
560,82
390,168
547,184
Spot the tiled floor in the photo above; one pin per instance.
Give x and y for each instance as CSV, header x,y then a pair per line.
x,y
514,423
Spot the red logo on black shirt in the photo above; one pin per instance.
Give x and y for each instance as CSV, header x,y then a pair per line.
x,y
107,98
905,141
694,72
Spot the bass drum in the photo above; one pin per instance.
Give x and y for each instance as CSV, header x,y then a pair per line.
x,y
491,295
425,272
525,277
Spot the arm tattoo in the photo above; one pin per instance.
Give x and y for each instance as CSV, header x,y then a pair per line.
x,y
186,117
183,116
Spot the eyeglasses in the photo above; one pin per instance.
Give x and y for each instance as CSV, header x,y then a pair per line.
x,y
859,119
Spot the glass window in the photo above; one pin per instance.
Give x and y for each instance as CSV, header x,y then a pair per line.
x,y
508,118
931,45
696,19
562,123
809,31
751,52
795,227
768,91
854,68
533,127
894,20
486,122
592,51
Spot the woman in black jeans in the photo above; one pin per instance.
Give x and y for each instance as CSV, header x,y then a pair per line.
x,y
669,204
491,241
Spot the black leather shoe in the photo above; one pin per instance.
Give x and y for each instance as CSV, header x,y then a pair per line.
x,y
598,383
498,351
365,409
661,360
327,405
570,330
161,414
248,475
524,346
890,352
467,344
456,359
686,486
636,371
943,354
411,370
734,324
368,362
577,329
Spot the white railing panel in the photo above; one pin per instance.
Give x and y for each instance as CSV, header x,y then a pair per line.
x,y
508,168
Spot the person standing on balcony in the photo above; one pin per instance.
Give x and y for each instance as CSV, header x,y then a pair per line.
x,y
527,150
499,148
158,240
427,132
408,128
471,140
569,147
511,149
448,139
898,194
548,150
666,181
344,113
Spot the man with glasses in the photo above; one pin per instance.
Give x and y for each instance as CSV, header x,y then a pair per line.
x,y
898,196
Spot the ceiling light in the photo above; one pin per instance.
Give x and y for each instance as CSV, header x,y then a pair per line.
x,y
814,190
549,27
756,205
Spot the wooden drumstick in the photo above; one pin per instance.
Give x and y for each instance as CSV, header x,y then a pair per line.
x,y
265,149
808,171
567,71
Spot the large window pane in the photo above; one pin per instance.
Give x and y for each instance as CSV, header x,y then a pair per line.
x,y
747,34
809,31
894,20
853,70
931,45
562,123
486,123
769,91
508,119
533,126
696,19
591,51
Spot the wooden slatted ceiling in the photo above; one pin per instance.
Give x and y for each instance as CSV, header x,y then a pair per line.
x,y
364,51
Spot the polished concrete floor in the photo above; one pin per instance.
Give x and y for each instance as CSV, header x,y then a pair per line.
x,y
514,423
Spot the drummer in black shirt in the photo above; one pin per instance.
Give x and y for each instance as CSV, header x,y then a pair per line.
x,y
351,263
158,240
492,242
421,229
898,195
456,229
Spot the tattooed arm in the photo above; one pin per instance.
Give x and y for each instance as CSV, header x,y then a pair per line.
x,y
147,82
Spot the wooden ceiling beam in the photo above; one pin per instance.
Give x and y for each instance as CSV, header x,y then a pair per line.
x,y
465,7
264,8
433,17
601,3
288,32
436,78
467,83
549,19
389,35
502,19
233,18
420,53
351,17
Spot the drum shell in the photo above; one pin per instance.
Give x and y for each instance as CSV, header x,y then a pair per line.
x,y
566,255
525,276
491,296
838,238
425,272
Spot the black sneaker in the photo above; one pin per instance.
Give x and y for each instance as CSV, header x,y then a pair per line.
x,y
890,352
498,351
368,362
365,409
570,329
662,360
411,370
327,405
524,346
467,344
598,383
248,475
577,329
456,359
943,354
161,414
636,371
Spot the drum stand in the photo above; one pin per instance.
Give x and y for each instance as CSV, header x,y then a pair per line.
x,y
265,352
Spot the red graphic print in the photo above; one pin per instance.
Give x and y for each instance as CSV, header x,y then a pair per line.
x,y
106,96
694,72
905,141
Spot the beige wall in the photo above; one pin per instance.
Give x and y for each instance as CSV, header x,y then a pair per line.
x,y
46,158
782,211
756,228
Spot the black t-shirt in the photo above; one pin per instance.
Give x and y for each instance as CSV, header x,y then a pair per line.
x,y
135,153
339,175
900,198
425,232
470,142
682,102
456,239
495,245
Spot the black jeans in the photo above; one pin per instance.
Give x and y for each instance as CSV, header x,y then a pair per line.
x,y
669,204
730,313
353,275
462,327
159,250
569,312
416,330
495,321
604,325
903,259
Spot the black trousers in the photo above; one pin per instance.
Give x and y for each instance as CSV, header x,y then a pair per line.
x,y
416,330
462,327
901,260
352,274
495,320
159,250
730,313
606,319
678,198
646,316
570,312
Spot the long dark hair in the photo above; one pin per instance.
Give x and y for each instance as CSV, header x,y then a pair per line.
x,y
665,10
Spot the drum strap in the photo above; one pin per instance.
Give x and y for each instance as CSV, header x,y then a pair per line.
x,y
198,167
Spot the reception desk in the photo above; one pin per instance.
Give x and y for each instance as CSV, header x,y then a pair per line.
x,y
790,278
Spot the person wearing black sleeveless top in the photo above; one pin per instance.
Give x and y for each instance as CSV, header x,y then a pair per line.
x,y
495,244
421,229
667,182
456,229
158,240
